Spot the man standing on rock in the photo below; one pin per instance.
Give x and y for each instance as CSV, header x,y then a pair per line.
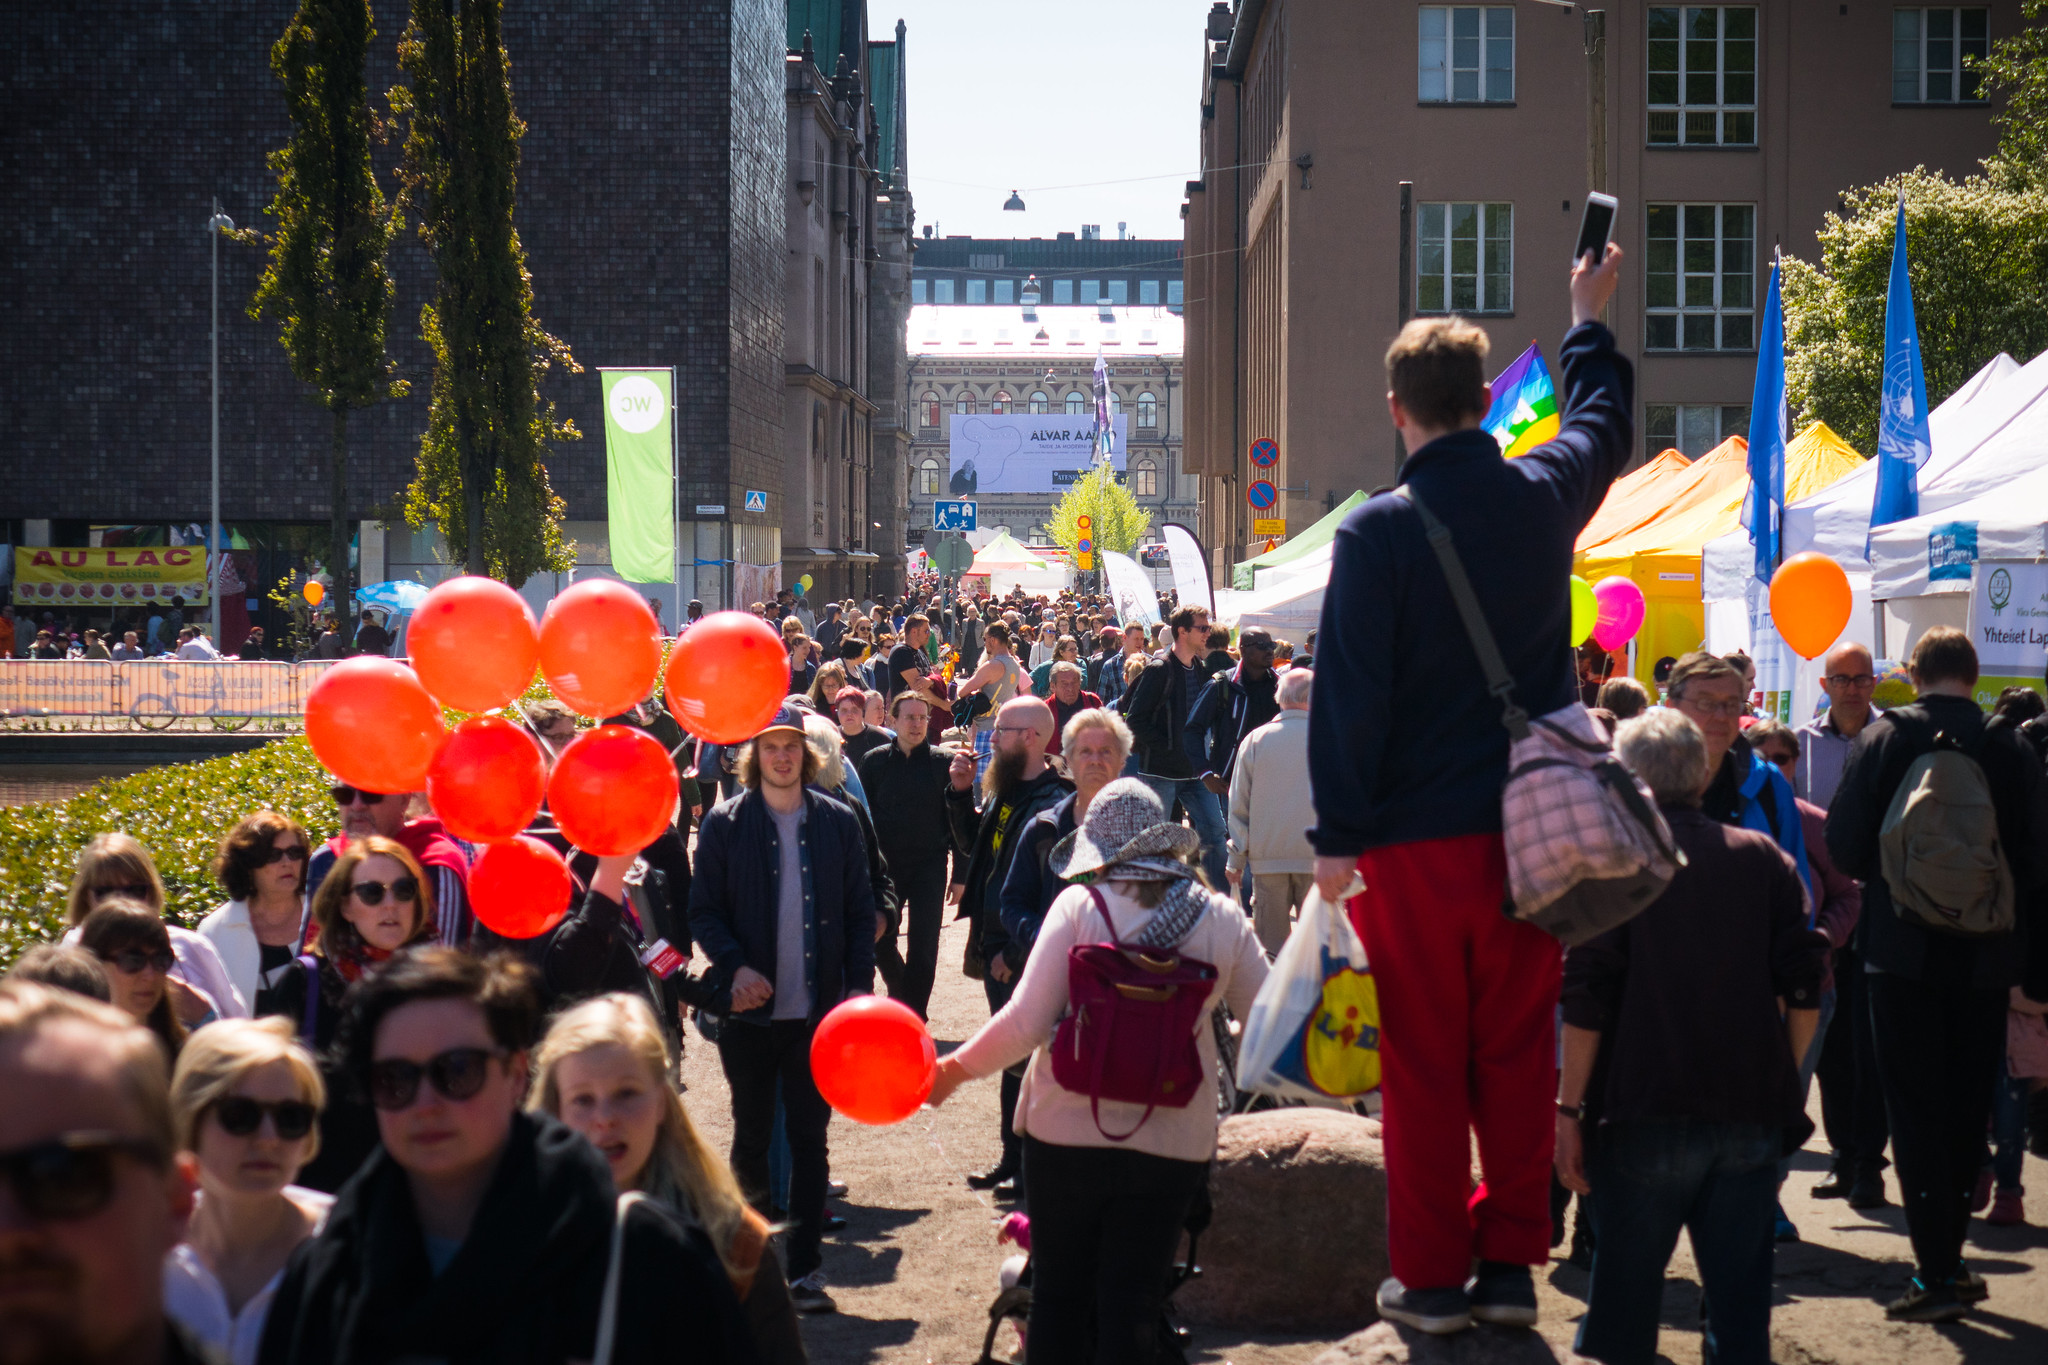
x,y
1407,756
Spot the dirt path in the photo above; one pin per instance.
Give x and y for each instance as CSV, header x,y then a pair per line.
x,y
915,1271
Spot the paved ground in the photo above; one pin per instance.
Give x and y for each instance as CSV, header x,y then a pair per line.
x,y
916,1270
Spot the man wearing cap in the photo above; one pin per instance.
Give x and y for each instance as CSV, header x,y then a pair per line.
x,y
782,904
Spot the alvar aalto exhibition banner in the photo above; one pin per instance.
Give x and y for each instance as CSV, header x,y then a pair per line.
x,y
1016,452
639,448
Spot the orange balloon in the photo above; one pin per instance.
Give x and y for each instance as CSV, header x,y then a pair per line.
x,y
519,888
1810,603
613,790
315,590
474,643
486,783
373,725
873,1059
726,676
600,647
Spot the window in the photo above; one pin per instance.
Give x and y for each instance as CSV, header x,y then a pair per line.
x,y
1929,50
928,479
1145,479
977,291
1692,429
964,404
1464,258
1148,412
929,415
1006,291
1701,278
920,291
1077,404
1702,76
942,291
1119,291
1466,54
1038,402
1000,404
1062,291
1091,290
1148,293
1116,404
1173,293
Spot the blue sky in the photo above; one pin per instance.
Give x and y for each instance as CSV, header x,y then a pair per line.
x,y
1089,108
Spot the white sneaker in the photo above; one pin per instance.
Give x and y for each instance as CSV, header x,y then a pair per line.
x,y
808,1295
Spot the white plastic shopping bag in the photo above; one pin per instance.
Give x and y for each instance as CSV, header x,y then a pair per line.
x,y
1314,1030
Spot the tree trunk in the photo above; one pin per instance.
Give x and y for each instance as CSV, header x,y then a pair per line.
x,y
337,559
474,474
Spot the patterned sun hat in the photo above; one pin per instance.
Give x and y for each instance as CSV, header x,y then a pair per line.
x,y
1125,825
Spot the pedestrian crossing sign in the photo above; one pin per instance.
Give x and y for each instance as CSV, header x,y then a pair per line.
x,y
757,500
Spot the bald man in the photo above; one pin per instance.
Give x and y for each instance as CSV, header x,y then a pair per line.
x,y
1017,786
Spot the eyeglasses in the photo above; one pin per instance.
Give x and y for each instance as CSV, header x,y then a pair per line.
x,y
1015,729
241,1116
1731,707
403,890
71,1176
1850,679
344,796
297,853
456,1074
1780,759
141,891
134,960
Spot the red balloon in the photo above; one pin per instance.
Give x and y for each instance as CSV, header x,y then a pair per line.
x,y
726,676
474,643
373,725
600,647
613,790
519,888
488,779
873,1059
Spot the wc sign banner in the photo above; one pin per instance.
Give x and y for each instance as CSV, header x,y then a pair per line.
x,y
639,448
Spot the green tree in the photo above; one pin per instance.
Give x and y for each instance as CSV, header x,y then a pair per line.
x,y
326,285
482,473
2018,69
1118,523
1977,253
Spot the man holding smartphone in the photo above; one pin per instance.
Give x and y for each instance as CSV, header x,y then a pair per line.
x,y
1407,757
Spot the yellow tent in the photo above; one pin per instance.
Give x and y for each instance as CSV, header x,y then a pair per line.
x,y
1636,497
1702,481
1663,556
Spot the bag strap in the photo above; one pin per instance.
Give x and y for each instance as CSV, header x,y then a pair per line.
x,y
309,1013
608,1309
1102,909
1499,681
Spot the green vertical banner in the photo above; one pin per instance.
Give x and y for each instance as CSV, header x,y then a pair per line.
x,y
639,448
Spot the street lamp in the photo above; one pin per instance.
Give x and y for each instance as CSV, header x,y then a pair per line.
x,y
215,226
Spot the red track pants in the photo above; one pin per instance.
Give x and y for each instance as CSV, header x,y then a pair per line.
x,y
1468,1042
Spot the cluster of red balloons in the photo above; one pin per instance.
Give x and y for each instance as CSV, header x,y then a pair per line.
x,y
376,723
873,1059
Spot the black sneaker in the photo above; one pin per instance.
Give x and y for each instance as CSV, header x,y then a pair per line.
x,y
1970,1286
1927,1303
1437,1312
1867,1192
1503,1294
808,1295
1834,1185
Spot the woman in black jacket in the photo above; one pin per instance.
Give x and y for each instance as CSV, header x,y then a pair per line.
x,y
479,1233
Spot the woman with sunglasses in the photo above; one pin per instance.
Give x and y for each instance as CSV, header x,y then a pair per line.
x,y
373,902
479,1232
262,866
134,947
114,864
244,1101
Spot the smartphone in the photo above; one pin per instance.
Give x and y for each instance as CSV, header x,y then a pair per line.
x,y
1596,229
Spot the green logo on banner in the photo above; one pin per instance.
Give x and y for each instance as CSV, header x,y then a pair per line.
x,y
2001,589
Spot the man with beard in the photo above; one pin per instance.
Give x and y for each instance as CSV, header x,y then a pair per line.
x,y
1017,786
97,1195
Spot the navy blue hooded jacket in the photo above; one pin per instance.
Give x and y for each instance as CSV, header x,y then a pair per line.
x,y
1405,742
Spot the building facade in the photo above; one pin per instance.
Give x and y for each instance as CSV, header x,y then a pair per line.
x,y
1364,164
990,358
1079,270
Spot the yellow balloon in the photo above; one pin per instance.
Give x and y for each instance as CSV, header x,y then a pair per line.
x,y
1585,611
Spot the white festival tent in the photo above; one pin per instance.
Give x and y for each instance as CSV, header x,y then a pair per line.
x,y
1288,601
2009,522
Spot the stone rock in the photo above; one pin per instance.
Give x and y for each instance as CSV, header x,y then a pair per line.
x,y
1299,1238
1389,1344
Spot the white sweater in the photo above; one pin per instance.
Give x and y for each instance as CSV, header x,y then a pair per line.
x,y
1270,806
1051,1113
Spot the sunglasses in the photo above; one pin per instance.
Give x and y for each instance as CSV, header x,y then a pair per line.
x,y
241,1116
403,890
456,1074
297,853
134,960
141,891
71,1176
344,796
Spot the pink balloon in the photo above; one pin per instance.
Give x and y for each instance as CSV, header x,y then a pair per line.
x,y
1620,615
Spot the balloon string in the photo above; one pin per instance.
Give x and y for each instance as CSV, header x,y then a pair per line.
x,y
552,753
932,1136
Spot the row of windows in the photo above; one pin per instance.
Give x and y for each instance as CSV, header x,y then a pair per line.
x,y
1700,64
1118,292
1144,479
1078,404
1699,269
1692,429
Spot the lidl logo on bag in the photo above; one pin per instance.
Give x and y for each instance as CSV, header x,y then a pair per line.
x,y
1341,1048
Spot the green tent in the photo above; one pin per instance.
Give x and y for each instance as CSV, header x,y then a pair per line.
x,y
1243,577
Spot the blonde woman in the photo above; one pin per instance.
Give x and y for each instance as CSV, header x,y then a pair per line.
x,y
115,864
603,1070
826,685
245,1101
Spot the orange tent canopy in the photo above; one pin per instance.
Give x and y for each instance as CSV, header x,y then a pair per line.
x,y
1633,495
1703,482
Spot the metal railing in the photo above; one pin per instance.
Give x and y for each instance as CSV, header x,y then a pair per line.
x,y
157,693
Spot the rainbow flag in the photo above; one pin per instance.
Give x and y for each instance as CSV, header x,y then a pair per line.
x,y
1524,411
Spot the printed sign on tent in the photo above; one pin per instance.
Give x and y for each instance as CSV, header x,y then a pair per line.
x,y
2009,626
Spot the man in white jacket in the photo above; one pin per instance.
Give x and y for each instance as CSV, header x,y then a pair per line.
x,y
1271,811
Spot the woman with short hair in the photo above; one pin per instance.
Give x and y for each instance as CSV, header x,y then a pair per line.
x,y
134,947
246,1101
116,864
257,932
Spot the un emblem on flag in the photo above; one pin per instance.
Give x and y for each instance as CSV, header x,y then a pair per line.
x,y
636,404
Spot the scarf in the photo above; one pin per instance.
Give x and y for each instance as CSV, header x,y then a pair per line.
x,y
1183,905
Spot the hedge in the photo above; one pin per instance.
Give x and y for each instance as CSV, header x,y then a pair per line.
x,y
179,811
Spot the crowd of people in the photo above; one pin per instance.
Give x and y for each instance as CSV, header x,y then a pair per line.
x,y
172,630
343,1120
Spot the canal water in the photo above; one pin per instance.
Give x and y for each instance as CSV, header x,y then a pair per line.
x,y
22,784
